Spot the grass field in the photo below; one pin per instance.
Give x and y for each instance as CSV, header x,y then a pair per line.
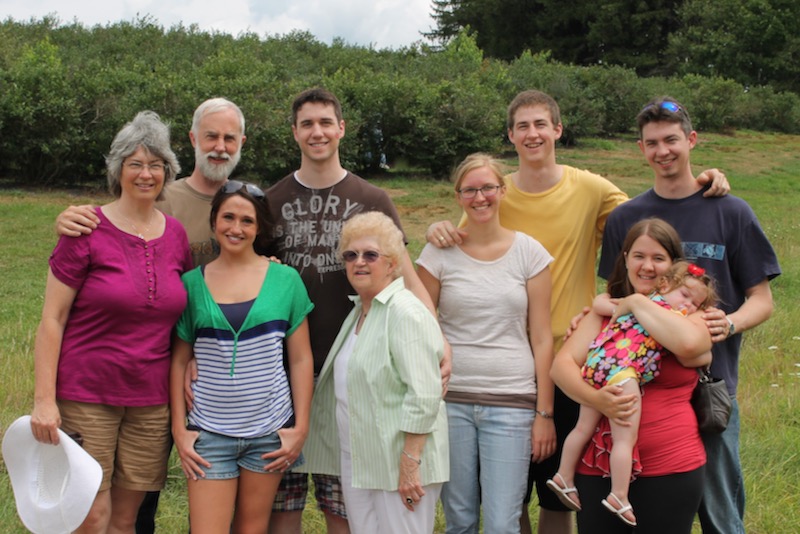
x,y
762,168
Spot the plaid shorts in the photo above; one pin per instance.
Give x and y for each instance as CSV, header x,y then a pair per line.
x,y
293,490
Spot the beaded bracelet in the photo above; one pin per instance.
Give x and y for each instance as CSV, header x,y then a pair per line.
x,y
417,460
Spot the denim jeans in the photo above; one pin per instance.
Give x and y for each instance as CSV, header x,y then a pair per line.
x,y
490,450
722,507
228,454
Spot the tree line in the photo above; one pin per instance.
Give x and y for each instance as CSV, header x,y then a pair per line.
x,y
754,42
65,90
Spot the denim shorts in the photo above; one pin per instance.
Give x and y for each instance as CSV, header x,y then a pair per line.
x,y
228,454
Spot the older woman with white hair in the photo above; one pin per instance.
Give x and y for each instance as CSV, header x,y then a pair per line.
x,y
102,349
377,417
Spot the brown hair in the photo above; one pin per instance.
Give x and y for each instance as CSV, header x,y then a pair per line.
x,y
317,95
532,98
664,109
657,229
259,202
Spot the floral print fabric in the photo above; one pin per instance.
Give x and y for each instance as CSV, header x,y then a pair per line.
x,y
620,345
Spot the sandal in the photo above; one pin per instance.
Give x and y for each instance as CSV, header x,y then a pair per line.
x,y
620,511
563,491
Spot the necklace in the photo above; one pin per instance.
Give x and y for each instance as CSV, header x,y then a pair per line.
x,y
137,233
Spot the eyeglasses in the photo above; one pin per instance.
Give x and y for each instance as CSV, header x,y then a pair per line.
x,y
370,256
138,167
487,191
234,186
672,107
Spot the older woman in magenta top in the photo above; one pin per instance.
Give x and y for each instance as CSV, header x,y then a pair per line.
x,y
103,345
667,492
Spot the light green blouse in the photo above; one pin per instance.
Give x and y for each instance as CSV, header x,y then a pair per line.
x,y
394,386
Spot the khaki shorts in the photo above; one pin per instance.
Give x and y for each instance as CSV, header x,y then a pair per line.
x,y
131,444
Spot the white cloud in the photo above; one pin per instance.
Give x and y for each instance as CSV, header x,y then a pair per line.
x,y
381,23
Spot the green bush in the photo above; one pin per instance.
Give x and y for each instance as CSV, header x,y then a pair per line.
x,y
67,90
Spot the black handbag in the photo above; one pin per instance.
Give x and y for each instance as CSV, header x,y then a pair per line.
x,y
711,403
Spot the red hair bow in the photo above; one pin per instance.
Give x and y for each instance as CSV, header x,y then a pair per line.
x,y
695,270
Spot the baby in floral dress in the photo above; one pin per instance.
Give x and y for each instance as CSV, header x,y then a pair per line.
x,y
624,354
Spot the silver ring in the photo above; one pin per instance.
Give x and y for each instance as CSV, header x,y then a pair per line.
x,y
409,500
288,463
441,238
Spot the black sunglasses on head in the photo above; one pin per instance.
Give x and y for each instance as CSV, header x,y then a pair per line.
x,y
234,186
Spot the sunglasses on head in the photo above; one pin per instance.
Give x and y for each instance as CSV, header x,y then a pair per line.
x,y
370,256
234,186
672,107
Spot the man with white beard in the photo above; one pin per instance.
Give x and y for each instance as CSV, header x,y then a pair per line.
x,y
217,136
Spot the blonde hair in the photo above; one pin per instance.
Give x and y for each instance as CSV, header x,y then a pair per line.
x,y
677,275
478,160
382,228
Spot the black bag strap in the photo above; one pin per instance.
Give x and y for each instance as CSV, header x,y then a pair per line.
x,y
704,373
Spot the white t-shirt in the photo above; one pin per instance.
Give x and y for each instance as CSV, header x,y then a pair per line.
x,y
340,389
483,312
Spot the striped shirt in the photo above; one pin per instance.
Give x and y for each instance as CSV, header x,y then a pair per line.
x,y
393,388
242,389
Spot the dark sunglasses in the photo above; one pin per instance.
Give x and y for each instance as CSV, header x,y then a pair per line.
x,y
370,256
234,186
672,107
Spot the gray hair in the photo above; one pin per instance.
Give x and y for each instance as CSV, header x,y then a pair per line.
x,y
215,105
148,132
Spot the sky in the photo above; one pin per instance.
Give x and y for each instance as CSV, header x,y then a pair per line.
x,y
377,23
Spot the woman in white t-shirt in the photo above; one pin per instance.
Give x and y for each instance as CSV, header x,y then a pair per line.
x,y
493,296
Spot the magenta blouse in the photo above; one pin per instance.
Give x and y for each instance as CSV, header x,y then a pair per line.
x,y
116,344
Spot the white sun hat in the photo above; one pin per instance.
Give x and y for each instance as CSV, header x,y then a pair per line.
x,y
54,485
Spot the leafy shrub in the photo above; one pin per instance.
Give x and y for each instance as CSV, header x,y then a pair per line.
x,y
66,91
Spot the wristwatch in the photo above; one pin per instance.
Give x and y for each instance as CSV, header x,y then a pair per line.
x,y
731,327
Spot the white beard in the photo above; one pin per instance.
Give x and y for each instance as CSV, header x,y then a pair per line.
x,y
213,171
